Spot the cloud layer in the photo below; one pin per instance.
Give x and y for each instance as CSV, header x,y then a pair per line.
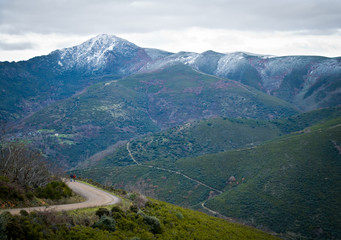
x,y
309,18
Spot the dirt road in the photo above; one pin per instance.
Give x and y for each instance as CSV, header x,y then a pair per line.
x,y
94,197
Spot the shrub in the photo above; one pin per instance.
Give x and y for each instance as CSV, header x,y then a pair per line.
x,y
154,223
102,212
24,213
106,223
179,215
134,208
116,209
4,218
54,190
11,227
150,204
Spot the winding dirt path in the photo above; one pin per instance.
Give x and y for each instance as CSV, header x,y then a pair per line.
x,y
171,171
94,197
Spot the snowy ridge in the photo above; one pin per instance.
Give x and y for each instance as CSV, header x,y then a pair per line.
x,y
289,77
230,63
94,52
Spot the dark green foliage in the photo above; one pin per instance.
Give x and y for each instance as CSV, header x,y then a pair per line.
x,y
134,208
4,219
279,191
154,223
106,223
54,190
24,213
304,120
10,191
102,212
116,209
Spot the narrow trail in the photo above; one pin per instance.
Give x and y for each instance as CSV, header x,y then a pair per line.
x,y
214,213
94,197
171,171
131,155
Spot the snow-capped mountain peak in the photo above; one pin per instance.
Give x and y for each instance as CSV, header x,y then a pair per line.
x,y
93,54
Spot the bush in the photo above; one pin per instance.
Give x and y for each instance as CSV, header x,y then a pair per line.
x,y
134,208
179,215
54,190
102,212
116,209
24,213
154,223
4,218
106,223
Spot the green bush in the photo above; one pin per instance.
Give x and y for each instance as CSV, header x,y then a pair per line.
x,y
24,213
4,218
116,209
102,212
154,223
54,190
106,223
134,208
179,215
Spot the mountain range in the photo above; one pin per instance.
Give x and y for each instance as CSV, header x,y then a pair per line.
x,y
308,82
234,134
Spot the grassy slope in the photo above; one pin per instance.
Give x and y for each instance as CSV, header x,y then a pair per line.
x,y
289,165
290,185
175,223
193,139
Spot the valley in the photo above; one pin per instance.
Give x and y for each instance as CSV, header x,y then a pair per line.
x,y
249,138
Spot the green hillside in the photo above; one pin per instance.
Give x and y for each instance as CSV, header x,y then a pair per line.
x,y
194,138
303,120
106,113
136,217
289,185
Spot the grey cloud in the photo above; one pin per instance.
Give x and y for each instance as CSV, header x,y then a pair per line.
x,y
105,16
16,46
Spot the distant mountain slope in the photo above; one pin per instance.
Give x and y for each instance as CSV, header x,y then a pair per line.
x,y
118,110
27,86
288,185
309,82
195,138
291,184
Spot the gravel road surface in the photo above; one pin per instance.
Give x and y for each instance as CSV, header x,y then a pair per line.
x,y
94,198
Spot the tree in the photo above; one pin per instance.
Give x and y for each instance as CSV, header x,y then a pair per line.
x,y
22,165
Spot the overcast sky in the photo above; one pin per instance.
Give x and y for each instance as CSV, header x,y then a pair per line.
x,y
30,28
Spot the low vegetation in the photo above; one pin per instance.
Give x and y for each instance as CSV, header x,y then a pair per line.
x,y
136,218
118,110
289,184
25,179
